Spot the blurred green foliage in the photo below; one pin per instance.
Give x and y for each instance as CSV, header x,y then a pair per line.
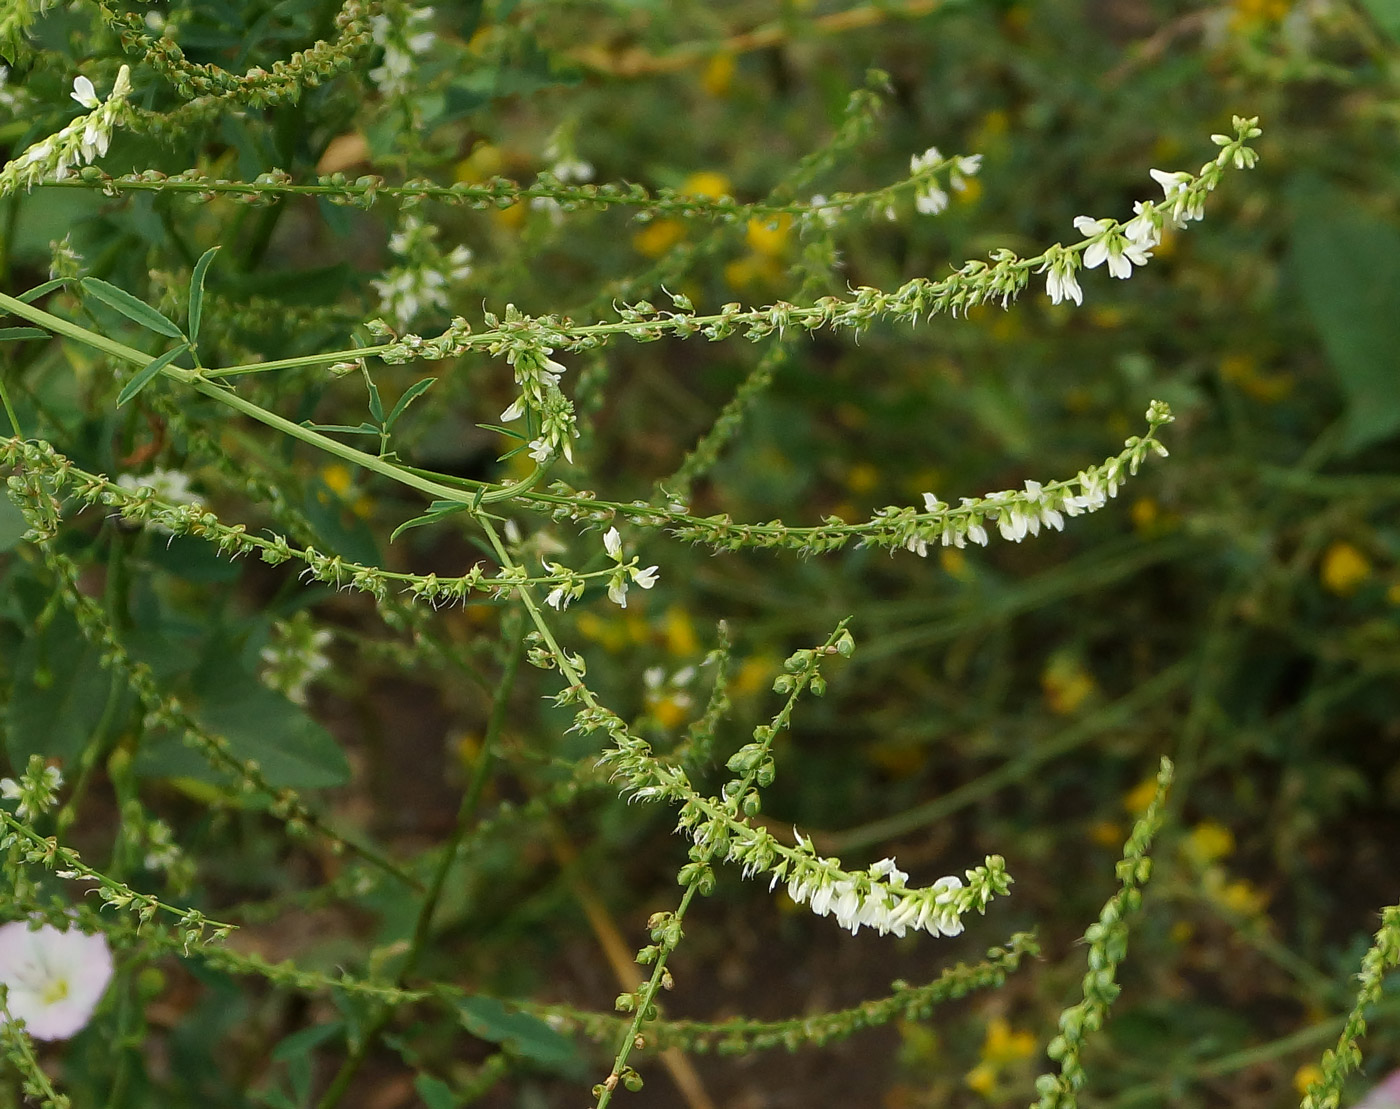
x,y
1236,608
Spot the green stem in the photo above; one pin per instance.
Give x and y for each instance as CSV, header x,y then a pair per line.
x,y
466,814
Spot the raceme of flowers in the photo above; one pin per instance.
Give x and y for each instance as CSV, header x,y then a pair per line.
x,y
420,284
931,199
1127,245
53,979
79,143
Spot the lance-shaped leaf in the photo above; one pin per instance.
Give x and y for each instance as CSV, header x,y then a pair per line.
x,y
197,291
135,310
148,372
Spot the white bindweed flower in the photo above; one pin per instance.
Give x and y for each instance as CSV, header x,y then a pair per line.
x,y
53,979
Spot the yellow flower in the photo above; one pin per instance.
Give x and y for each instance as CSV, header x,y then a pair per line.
x,y
1144,513
1242,370
659,236
1244,898
680,633
982,1079
1004,1045
671,711
768,235
862,477
1343,569
1106,833
1140,796
954,563
718,75
1066,682
510,217
1307,1075
707,183
752,269
970,193
753,674
483,163
1209,841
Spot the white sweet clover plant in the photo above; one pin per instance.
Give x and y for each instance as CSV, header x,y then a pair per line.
x,y
717,828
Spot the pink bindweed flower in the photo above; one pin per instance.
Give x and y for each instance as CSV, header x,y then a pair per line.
x,y
53,979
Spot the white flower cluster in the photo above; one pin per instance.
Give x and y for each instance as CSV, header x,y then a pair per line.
x,y
1127,245
617,584
36,791
53,980
12,99
565,169
931,199
297,658
401,43
879,899
171,487
421,282
83,141
538,377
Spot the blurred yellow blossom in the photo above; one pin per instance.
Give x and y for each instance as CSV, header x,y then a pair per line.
x,y
679,632
1243,897
970,193
1140,796
509,218
754,674
1249,14
1309,1074
1209,841
1066,683
1242,371
659,236
752,269
1106,833
862,477
718,74
1144,513
707,183
1343,569
340,481
768,235
1392,594
955,563
483,163
1002,1047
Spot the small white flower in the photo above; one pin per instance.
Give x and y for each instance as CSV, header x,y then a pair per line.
x,y
515,411
53,979
612,543
1062,285
84,93
617,589
645,578
1108,244
1175,188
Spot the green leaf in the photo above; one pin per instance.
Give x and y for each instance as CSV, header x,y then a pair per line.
x,y
520,1033
148,372
197,290
411,394
39,290
12,334
1347,266
304,1042
136,310
59,694
1386,14
502,431
438,510
13,525
365,428
376,406
436,1093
